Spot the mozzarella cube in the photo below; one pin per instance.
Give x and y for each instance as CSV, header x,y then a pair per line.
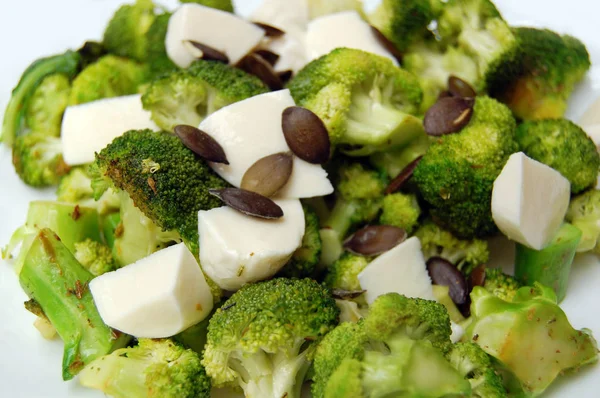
x,y
344,29
218,29
236,249
250,130
291,48
282,14
529,201
158,296
88,128
400,270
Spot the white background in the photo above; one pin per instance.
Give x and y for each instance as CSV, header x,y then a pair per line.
x,y
30,367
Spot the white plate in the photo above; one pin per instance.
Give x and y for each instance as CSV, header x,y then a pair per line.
x,y
30,366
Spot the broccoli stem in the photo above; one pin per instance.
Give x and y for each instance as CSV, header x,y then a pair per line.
x,y
53,277
550,266
340,219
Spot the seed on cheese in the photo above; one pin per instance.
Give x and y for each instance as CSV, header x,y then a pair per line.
x,y
250,130
401,270
158,296
218,29
529,201
236,249
344,29
88,128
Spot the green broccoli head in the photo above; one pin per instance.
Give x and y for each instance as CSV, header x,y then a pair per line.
x,y
76,187
264,336
343,274
364,100
457,173
223,5
548,67
188,96
156,55
400,210
500,284
306,258
564,146
153,368
125,34
584,213
531,336
110,76
47,105
96,257
438,242
38,159
475,365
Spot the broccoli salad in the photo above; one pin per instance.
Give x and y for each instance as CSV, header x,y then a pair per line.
x,y
302,200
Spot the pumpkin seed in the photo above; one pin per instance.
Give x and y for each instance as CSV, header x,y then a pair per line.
x,y
448,115
269,174
201,143
249,203
375,239
209,53
306,135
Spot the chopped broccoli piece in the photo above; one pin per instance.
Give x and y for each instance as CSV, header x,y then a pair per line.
x,y
476,366
318,8
125,34
306,258
393,162
38,159
584,213
345,381
94,256
531,336
539,82
464,254
343,274
47,104
442,296
156,58
110,76
501,285
76,187
364,100
153,368
194,337
91,52
457,173
264,336
564,146
188,96
400,210
53,278
223,5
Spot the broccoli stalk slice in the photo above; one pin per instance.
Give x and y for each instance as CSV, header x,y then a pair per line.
x,y
54,279
550,266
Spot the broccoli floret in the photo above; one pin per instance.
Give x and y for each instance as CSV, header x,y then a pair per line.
x,y
264,336
343,274
153,368
564,146
400,210
306,258
464,254
224,5
125,34
47,104
364,100
548,67
156,58
38,159
584,213
76,187
188,96
476,366
403,21
96,257
457,173
393,162
53,278
530,336
345,381
318,8
110,76
14,123
500,284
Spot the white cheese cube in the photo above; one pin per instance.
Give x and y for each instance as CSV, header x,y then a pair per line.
x,y
88,128
529,201
282,14
250,130
236,249
218,29
291,48
400,270
158,296
344,29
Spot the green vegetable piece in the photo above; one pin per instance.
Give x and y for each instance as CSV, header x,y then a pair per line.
x,y
125,34
94,256
38,159
223,5
500,284
442,296
394,161
550,266
47,104
318,8
111,228
400,210
14,116
53,278
76,187
156,58
584,213
343,274
306,258
153,368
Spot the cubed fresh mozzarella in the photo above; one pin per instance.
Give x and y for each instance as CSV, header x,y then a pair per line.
x,y
282,14
529,201
88,128
400,270
291,48
221,30
158,296
250,130
344,29
236,249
